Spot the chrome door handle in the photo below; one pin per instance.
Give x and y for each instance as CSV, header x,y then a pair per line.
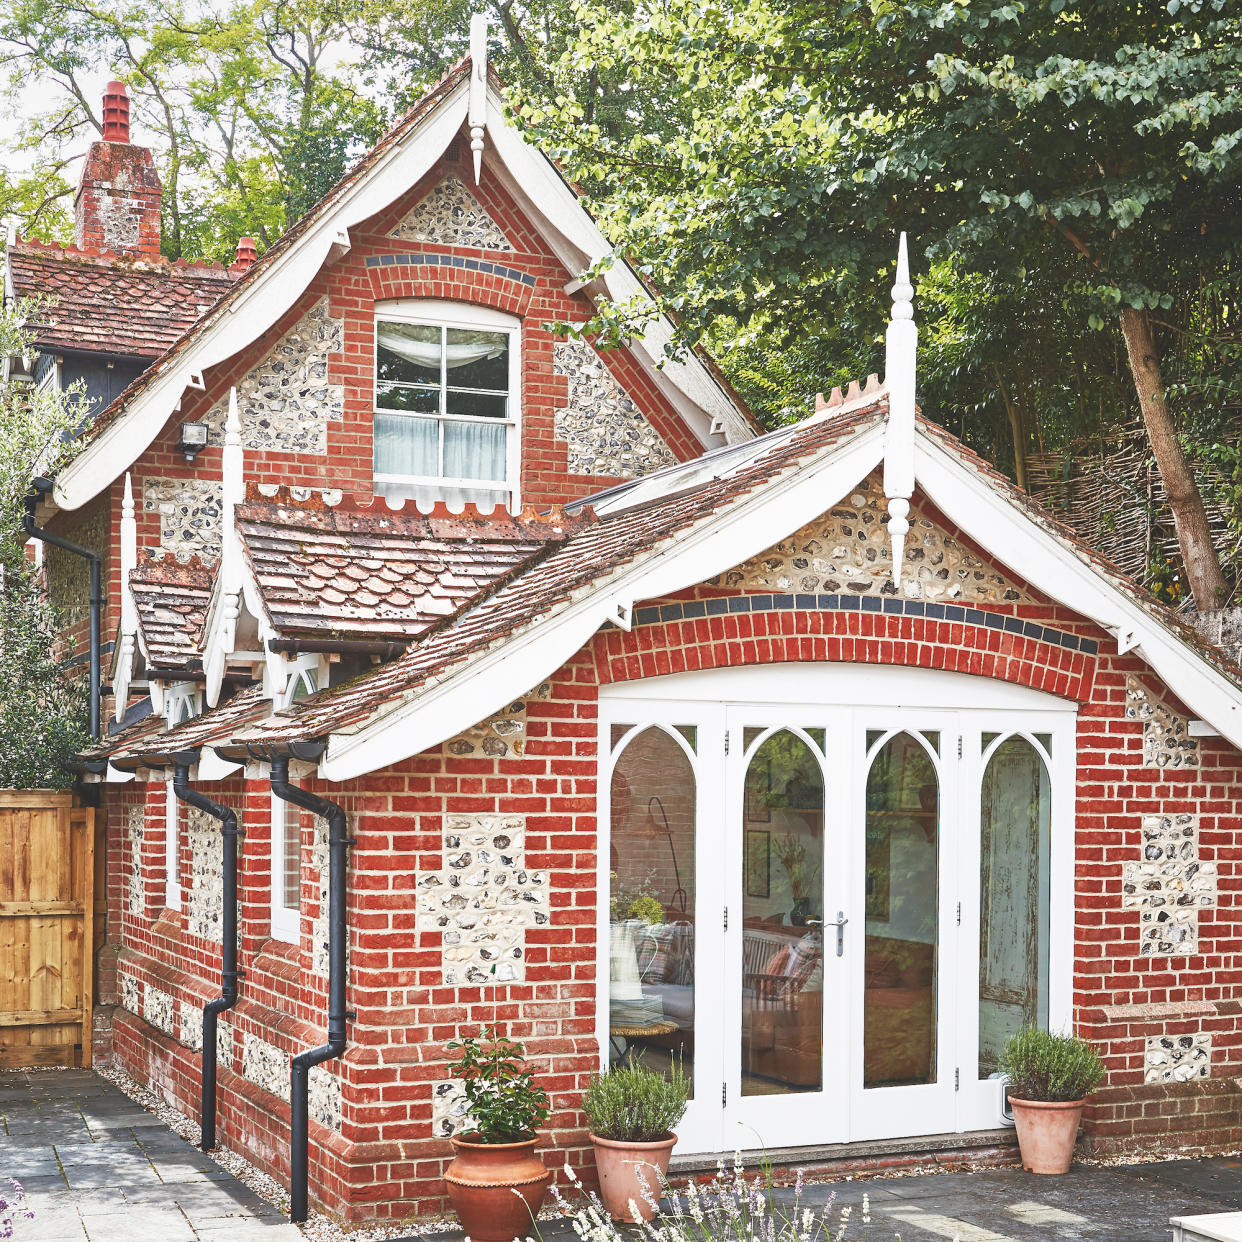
x,y
839,923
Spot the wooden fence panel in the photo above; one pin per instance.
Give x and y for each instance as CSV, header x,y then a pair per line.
x,y
47,883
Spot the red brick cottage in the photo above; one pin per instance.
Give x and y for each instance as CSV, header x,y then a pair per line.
x,y
896,764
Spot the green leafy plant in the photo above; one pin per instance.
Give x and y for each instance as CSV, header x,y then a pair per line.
x,y
1047,1067
633,1104
505,1104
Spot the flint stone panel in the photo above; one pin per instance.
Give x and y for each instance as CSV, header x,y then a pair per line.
x,y
449,215
1166,741
135,893
503,735
606,432
848,551
483,900
1169,886
189,514
285,402
1177,1058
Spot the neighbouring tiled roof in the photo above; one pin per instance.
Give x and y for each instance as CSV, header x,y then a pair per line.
x,y
106,303
171,597
362,570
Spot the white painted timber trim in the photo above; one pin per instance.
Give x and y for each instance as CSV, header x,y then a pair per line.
x,y
257,307
509,670
1017,541
577,241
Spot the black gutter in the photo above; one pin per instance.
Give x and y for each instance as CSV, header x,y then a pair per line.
x,y
229,974
300,1067
40,487
338,646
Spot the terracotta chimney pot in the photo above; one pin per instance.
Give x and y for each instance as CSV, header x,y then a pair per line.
x,y
116,112
247,254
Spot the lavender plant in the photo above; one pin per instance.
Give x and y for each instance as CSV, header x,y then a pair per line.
x,y
13,1208
730,1206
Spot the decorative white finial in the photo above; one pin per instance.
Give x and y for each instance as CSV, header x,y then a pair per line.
x,y
129,609
476,116
233,488
900,354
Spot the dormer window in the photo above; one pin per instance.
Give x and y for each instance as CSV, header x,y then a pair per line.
x,y
181,703
446,403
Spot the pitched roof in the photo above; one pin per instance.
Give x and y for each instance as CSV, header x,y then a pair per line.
x,y
271,285
551,581
362,570
171,598
108,303
639,523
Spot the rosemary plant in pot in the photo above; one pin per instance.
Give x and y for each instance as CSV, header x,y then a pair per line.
x,y
495,1181
1050,1077
631,1111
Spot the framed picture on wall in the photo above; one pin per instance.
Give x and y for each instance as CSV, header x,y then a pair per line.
x,y
758,862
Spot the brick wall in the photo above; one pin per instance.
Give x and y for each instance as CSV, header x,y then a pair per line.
x,y
412,821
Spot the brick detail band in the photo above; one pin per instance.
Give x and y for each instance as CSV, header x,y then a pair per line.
x,y
798,602
425,259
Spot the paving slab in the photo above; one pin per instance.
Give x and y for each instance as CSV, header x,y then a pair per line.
x,y
97,1167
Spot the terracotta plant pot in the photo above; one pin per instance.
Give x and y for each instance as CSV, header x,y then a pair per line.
x,y
1047,1132
481,1181
623,1167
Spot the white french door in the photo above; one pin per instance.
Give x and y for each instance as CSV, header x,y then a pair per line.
x,y
832,914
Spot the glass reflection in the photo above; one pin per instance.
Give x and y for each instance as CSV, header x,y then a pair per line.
x,y
1013,919
899,1004
651,904
782,919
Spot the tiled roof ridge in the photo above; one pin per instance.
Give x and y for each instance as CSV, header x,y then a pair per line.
x,y
111,258
158,558
367,505
837,400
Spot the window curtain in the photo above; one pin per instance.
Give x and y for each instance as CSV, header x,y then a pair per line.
x,y
408,341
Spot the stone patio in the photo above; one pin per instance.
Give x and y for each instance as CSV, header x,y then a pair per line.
x,y
98,1167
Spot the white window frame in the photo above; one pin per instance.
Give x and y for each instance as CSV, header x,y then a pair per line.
x,y
442,314
307,674
172,848
286,921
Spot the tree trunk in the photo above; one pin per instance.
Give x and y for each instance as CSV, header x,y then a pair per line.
x,y
1017,430
1194,535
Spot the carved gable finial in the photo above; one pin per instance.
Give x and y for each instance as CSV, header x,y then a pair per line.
x,y
477,116
901,348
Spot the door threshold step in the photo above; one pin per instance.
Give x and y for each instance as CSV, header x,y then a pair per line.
x,y
979,1147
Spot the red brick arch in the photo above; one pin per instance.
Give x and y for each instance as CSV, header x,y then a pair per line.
x,y
441,279
846,637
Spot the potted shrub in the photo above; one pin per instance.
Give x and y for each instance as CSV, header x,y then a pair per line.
x,y
631,1112
495,1181
1050,1077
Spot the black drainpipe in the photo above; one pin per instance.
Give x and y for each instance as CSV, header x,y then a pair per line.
x,y
41,487
299,1084
229,974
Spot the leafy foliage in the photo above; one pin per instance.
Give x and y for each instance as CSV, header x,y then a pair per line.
x,y
1048,1067
633,1104
505,1104
42,710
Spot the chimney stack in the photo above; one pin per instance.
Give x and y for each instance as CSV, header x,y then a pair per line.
x,y
117,206
247,254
